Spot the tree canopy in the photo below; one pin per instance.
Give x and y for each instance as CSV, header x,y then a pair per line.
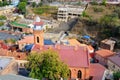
x,y
116,75
47,64
22,7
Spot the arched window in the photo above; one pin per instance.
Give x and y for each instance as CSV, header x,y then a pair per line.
x,y
37,39
79,75
70,74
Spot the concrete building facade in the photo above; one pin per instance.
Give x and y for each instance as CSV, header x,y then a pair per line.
x,y
65,13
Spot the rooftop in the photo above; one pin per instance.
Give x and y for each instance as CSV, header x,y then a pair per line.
x,y
4,36
104,53
4,62
108,41
115,59
19,24
97,71
74,42
14,77
73,56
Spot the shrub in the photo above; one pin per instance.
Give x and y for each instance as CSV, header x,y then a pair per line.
x,y
1,23
3,17
96,9
94,2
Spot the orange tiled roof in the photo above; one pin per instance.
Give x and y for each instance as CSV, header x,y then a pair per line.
x,y
27,39
74,42
104,53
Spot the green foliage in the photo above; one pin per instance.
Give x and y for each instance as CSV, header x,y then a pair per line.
x,y
97,9
1,23
33,4
3,3
94,2
104,2
2,17
117,10
12,41
22,7
84,14
44,9
46,65
23,1
116,75
109,20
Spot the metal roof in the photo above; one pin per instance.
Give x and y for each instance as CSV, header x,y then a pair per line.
x,y
4,62
14,77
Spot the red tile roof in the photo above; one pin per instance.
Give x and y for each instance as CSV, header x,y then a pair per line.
x,y
73,56
97,71
39,23
115,59
104,53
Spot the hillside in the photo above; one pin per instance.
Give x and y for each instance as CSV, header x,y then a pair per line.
x,y
99,21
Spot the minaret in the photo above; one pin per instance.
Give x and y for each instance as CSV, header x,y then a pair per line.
x,y
38,31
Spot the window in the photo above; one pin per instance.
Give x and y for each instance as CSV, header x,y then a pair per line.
x,y
79,75
37,39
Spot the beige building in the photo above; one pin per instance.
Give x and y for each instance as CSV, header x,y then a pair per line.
x,y
8,65
6,10
114,63
107,44
102,55
66,12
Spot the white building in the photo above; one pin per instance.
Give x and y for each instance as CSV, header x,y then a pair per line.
x,y
67,12
36,1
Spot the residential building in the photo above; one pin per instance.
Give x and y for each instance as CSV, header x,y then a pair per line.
x,y
114,62
36,1
7,65
102,55
107,44
66,12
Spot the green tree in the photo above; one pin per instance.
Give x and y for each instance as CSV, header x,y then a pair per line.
x,y
22,7
1,4
23,1
33,4
5,2
46,65
116,75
